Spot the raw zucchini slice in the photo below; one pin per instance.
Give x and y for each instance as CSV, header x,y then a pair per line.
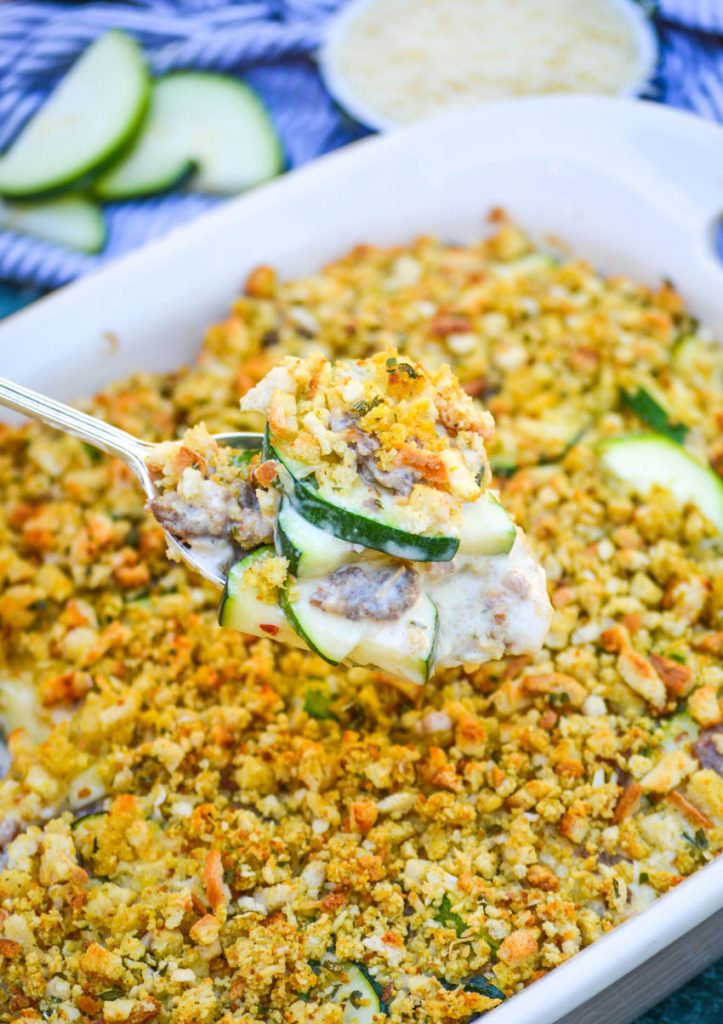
x,y
242,608
357,993
645,405
332,637
350,520
72,221
209,122
486,528
310,551
643,460
403,647
95,110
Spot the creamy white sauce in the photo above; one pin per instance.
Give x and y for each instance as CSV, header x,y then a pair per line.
x,y
488,606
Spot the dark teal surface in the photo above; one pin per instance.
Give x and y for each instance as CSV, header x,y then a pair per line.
x,y
698,1002
13,298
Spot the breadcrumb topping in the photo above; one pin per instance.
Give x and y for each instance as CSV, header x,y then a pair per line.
x,y
419,429
198,826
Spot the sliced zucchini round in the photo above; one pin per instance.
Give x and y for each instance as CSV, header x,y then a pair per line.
x,y
403,647
310,551
486,528
346,520
72,221
211,123
644,460
92,114
357,993
331,636
243,609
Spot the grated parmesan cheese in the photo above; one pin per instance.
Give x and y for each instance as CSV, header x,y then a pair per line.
x,y
406,59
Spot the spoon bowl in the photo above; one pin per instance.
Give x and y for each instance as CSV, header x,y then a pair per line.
x,y
132,451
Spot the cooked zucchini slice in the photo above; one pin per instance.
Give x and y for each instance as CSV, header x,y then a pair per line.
x,y
533,441
486,528
477,983
700,359
531,263
91,116
645,405
503,466
310,551
332,637
243,609
644,460
350,520
357,993
403,647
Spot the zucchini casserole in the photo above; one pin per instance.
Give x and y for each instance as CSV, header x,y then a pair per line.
x,y
390,551
199,825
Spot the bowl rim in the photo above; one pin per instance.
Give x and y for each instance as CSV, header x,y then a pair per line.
x,y
336,83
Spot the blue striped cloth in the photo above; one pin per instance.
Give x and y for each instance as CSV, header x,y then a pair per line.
x,y
271,43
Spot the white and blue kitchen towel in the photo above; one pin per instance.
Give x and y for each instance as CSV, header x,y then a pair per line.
x,y
271,43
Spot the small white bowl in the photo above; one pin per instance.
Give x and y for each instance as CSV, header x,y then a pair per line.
x,y
354,105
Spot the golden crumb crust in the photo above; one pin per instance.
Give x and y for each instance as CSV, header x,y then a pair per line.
x,y
197,826
389,409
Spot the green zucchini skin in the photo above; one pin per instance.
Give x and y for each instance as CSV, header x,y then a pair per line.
x,y
330,636
477,983
359,987
70,220
311,552
358,529
43,181
209,129
403,647
77,822
241,609
644,405
288,549
288,610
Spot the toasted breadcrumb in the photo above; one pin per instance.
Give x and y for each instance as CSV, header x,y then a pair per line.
x,y
200,827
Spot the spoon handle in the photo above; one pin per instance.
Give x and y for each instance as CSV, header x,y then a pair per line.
x,y
56,414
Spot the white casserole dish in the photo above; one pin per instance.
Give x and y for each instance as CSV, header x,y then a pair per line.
x,y
635,188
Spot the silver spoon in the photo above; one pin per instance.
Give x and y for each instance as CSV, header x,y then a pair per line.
x,y
113,441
